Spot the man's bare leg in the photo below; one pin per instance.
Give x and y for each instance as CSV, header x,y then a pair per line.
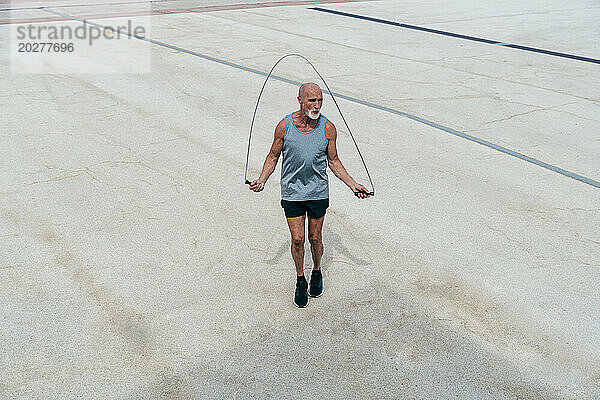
x,y
296,226
315,236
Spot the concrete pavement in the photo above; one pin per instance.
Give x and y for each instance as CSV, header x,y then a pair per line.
x,y
136,264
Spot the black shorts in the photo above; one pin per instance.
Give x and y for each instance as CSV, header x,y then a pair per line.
x,y
314,208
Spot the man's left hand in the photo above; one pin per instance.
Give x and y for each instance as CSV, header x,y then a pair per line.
x,y
360,191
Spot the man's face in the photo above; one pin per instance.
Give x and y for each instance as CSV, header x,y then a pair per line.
x,y
311,102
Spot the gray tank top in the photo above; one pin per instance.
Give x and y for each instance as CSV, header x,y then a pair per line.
x,y
304,166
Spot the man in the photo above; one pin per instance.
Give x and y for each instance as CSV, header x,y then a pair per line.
x,y
307,140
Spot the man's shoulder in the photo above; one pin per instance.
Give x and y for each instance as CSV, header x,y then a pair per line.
x,y
330,130
286,117
280,129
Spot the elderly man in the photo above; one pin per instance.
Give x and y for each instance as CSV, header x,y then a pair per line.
x,y
307,140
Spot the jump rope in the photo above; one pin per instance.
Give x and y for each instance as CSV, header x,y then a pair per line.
x,y
247,182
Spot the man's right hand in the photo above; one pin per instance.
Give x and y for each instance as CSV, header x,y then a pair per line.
x,y
257,186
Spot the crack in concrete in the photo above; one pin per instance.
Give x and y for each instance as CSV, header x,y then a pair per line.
x,y
577,115
10,266
61,178
481,126
9,235
510,239
573,209
175,183
162,141
241,240
88,171
91,175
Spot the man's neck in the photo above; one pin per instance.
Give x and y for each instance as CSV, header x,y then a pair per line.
x,y
306,120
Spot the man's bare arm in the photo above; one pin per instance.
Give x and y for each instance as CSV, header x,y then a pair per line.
x,y
271,159
336,164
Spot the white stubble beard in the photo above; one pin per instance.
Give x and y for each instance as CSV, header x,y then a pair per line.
x,y
316,115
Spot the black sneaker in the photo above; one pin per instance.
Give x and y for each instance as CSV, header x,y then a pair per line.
x,y
301,296
316,283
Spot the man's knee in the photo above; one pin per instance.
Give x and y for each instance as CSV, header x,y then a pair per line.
x,y
298,241
315,239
